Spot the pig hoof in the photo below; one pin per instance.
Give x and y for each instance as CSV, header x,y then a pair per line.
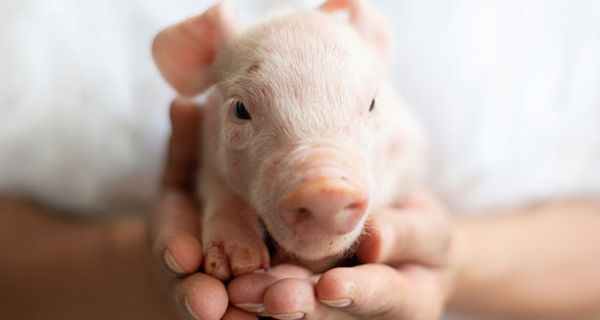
x,y
243,259
216,263
224,260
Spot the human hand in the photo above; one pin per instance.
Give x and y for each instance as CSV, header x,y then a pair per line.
x,y
175,226
413,238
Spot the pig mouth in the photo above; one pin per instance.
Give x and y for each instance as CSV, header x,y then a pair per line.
x,y
312,252
279,255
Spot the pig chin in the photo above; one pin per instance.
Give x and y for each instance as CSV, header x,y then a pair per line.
x,y
310,247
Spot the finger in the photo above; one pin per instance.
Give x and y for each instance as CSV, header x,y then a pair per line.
x,y
290,299
237,314
283,271
416,232
246,292
286,293
376,291
359,291
183,149
293,298
202,297
175,235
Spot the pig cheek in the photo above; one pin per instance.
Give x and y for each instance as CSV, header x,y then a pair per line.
x,y
367,144
373,151
238,167
235,137
268,186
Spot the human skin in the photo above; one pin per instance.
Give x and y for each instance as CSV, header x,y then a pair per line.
x,y
542,261
62,268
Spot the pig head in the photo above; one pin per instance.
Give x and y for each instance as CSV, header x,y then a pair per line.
x,y
301,123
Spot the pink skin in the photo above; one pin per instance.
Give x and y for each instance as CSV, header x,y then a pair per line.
x,y
308,162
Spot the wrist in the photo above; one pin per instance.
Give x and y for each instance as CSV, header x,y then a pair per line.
x,y
458,258
475,271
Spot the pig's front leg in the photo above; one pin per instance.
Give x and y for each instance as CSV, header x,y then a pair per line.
x,y
231,234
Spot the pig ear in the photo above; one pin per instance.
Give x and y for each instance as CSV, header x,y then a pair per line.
x,y
185,53
367,20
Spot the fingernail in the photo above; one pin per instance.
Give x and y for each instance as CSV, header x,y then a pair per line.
x,y
288,316
171,263
189,310
251,307
340,303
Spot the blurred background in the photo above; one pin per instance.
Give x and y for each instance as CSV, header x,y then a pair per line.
x,y
508,90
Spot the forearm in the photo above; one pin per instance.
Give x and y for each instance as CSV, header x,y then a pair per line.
x,y
60,268
542,262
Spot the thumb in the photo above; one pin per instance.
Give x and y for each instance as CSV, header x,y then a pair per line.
x,y
417,232
182,154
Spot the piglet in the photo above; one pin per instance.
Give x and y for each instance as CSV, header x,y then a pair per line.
x,y
303,134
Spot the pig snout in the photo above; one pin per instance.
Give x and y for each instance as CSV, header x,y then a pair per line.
x,y
330,206
314,196
321,197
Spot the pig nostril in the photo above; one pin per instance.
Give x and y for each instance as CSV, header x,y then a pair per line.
x,y
354,206
302,214
303,211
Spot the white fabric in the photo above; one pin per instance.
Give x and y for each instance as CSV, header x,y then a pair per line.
x,y
509,91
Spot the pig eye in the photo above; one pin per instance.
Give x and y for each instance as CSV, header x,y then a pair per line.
x,y
241,112
372,105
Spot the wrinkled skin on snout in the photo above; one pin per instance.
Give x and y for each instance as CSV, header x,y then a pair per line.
x,y
303,133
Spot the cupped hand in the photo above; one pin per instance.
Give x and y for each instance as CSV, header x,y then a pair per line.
x,y
175,226
407,275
